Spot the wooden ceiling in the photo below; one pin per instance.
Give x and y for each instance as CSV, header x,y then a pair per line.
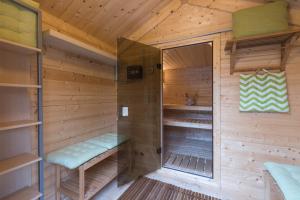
x,y
105,19
109,19
199,55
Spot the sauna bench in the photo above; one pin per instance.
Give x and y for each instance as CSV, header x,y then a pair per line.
x,y
94,163
282,182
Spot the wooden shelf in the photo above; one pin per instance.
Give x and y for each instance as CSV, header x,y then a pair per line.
x,y
17,124
17,162
17,85
285,39
260,40
188,123
17,47
96,178
67,43
184,107
27,193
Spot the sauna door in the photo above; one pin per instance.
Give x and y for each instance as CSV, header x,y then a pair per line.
x,y
139,106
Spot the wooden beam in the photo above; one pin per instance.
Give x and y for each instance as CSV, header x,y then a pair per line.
x,y
232,57
286,49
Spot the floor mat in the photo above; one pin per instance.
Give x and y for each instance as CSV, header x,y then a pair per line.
x,y
149,189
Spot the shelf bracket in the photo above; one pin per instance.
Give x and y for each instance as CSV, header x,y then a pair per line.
x,y
233,57
286,49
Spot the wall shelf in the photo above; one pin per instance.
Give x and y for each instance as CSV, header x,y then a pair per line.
x,y
285,39
17,47
17,162
17,124
67,43
190,108
27,193
18,85
188,123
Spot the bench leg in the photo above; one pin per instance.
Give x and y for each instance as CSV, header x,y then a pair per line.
x,y
57,171
81,183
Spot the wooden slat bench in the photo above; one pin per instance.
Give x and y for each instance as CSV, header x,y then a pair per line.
x,y
93,172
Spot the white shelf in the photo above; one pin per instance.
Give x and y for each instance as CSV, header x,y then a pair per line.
x,y
184,107
188,123
17,85
17,124
27,193
17,162
17,47
67,43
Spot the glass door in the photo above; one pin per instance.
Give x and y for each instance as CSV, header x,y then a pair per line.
x,y
139,78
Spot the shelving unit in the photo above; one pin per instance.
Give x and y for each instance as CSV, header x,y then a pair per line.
x,y
16,85
285,39
24,159
4,126
28,193
69,44
18,48
17,162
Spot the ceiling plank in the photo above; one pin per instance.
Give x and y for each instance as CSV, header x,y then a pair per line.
x,y
50,21
164,13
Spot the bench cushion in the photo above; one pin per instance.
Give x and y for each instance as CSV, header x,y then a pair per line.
x,y
77,154
287,178
108,141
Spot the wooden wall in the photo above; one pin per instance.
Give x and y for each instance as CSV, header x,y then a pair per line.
x,y
247,139
79,100
188,70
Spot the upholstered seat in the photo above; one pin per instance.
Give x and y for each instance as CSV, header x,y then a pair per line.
x,y
287,177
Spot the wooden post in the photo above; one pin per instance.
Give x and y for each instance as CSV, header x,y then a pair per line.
x,y
57,171
286,49
232,57
81,183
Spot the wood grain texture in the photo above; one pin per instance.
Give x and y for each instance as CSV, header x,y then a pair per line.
x,y
79,103
247,139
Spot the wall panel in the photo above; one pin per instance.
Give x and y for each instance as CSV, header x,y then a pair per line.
x,y
79,101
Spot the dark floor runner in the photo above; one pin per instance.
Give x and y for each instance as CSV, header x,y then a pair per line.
x,y
149,189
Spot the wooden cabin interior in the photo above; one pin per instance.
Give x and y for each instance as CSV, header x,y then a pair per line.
x,y
149,99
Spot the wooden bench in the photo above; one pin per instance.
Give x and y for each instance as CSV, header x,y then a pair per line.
x,y
92,175
272,190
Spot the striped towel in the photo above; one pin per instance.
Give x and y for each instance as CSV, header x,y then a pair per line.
x,y
263,93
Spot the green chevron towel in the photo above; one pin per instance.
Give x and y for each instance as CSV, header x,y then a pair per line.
x,y
263,93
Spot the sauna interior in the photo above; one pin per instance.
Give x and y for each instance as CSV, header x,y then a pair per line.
x,y
187,110
149,99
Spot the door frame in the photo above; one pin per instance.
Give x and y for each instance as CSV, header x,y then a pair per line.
x,y
215,182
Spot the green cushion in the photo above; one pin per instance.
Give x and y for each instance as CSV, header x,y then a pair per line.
x,y
287,177
268,18
109,140
75,155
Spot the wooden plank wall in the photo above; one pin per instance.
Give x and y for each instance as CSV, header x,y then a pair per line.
x,y
247,139
79,101
188,70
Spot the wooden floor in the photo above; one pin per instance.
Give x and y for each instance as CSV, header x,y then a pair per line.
x,y
148,189
189,164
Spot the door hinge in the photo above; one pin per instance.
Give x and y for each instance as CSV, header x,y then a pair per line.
x,y
158,150
158,66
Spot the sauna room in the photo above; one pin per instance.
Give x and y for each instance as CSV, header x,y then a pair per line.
x,y
149,99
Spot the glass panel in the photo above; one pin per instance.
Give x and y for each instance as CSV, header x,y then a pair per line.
x,y
139,106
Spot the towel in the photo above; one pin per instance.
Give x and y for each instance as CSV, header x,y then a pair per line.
x,y
263,93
